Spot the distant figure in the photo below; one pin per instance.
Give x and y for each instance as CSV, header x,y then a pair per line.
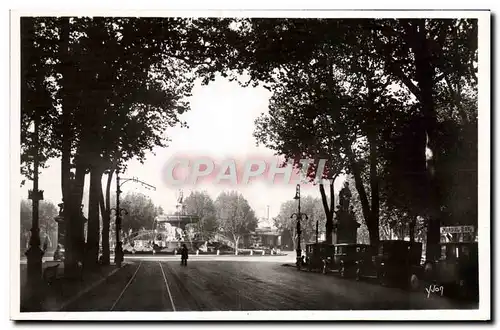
x,y
184,255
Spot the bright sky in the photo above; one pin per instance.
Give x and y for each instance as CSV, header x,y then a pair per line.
x,y
221,123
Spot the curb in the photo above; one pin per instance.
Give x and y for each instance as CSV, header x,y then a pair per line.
x,y
90,287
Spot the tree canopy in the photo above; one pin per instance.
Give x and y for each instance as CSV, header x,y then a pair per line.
x,y
235,217
200,203
287,224
372,91
141,212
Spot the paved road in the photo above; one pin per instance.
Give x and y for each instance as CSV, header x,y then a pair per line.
x,y
230,284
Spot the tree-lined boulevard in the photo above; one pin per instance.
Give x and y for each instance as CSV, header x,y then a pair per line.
x,y
390,104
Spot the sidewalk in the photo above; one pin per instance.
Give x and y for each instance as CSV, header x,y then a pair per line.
x,y
62,291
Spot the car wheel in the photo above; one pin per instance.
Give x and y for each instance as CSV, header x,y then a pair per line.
x,y
414,282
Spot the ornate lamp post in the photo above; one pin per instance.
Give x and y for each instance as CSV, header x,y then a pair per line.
x,y
118,225
299,216
118,222
34,253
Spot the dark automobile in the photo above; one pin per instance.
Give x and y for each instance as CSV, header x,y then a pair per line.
x,y
396,262
59,253
457,269
318,256
347,256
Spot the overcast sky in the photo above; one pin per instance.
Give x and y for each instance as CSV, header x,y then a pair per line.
x,y
221,123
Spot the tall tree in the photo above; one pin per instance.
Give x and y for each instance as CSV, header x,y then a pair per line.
x,y
312,207
327,103
120,83
420,55
141,212
143,99
200,203
235,217
439,56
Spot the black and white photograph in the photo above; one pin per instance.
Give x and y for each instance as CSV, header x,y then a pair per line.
x,y
250,165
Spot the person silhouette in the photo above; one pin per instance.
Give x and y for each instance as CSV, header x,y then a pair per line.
x,y
184,255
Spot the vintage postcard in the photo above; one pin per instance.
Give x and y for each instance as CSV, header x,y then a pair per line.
x,y
250,165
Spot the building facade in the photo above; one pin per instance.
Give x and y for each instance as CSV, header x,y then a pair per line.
x,y
262,237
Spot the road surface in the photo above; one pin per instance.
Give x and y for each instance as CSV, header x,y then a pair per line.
x,y
235,284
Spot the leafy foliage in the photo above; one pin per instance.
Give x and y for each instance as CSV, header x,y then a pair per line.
x,y
46,214
356,86
287,224
38,90
141,212
120,82
235,217
200,203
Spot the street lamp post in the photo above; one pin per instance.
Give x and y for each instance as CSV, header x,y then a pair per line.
x,y
118,221
299,216
34,253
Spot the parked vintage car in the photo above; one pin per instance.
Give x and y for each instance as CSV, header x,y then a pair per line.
x,y
457,269
347,256
317,255
397,262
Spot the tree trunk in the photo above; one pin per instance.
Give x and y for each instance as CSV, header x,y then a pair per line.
x,y
425,78
375,204
365,205
70,260
236,241
373,124
92,247
329,218
329,210
104,232
294,238
77,220
106,221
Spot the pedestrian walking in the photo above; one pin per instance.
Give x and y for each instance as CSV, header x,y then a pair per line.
x,y
184,255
